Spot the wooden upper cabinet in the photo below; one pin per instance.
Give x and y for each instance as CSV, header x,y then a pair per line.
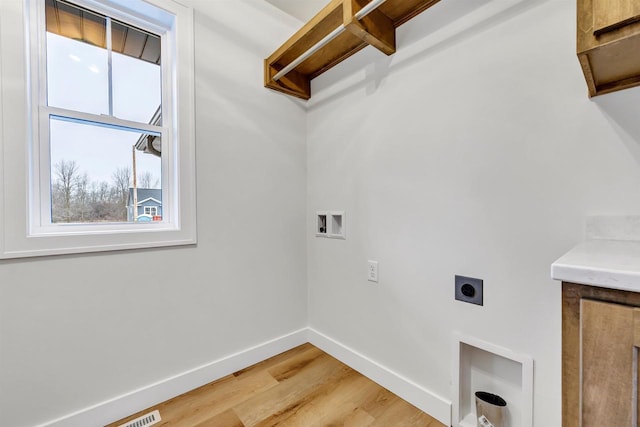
x,y
611,14
609,44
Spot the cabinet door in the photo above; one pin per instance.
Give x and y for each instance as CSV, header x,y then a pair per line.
x,y
611,14
609,362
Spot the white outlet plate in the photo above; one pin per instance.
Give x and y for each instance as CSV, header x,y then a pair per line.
x,y
372,272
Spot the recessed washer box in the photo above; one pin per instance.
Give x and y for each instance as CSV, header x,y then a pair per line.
x,y
330,224
482,366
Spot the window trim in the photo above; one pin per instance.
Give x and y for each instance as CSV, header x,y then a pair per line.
x,y
24,237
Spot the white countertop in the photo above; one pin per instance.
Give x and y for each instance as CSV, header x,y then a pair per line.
x,y
613,264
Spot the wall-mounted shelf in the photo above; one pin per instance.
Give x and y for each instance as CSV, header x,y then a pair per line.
x,y
338,33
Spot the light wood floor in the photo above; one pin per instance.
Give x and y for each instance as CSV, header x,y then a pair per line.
x,y
302,387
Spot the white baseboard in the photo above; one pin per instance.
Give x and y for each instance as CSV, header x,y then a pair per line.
x,y
122,406
434,405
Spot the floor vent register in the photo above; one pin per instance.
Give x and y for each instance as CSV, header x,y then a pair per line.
x,y
144,421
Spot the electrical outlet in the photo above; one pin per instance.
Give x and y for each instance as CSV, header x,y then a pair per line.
x,y
469,289
372,274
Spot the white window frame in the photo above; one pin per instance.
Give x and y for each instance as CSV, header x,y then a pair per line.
x,y
25,226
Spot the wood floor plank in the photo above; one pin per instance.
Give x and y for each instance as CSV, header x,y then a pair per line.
x,y
332,403
281,358
358,418
303,387
210,400
223,399
402,414
377,400
296,363
183,402
227,418
277,404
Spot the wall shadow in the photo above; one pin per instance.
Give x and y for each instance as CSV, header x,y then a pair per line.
x,y
418,29
624,120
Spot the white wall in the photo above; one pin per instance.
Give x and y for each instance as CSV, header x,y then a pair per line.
x,y
474,150
77,330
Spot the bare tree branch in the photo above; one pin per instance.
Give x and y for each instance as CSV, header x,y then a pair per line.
x,y
148,180
66,173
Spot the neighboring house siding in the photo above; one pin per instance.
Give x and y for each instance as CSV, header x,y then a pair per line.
x,y
149,198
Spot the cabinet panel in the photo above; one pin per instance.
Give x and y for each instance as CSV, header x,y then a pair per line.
x,y
600,334
615,64
607,365
611,14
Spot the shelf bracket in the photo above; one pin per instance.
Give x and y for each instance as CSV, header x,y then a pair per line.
x,y
293,83
375,29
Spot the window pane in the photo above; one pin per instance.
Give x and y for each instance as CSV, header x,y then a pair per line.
x,y
136,74
136,89
77,61
92,174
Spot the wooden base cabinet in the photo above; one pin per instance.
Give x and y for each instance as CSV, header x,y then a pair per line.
x,y
609,44
600,341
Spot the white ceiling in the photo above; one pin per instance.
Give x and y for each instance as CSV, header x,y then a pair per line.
x,y
301,9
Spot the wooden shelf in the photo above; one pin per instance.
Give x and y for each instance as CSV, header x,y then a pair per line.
x,y
376,29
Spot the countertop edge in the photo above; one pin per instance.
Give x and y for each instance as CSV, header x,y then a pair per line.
x,y
603,278
608,264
